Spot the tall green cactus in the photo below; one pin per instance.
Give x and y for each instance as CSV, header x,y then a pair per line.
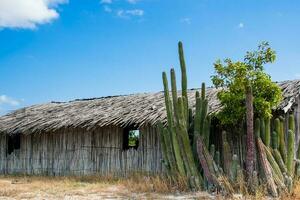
x,y
274,140
206,131
292,126
291,153
191,165
267,131
174,94
257,127
197,122
171,126
178,152
262,129
226,154
202,120
277,130
298,163
212,150
281,142
217,158
183,80
279,160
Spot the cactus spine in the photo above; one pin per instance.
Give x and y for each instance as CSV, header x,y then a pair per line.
x,y
290,153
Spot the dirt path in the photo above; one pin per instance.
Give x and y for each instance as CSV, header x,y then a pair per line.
x,y
41,188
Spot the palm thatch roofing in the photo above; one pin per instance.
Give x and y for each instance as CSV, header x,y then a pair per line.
x,y
136,109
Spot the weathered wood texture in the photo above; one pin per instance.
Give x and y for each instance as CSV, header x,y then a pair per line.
x,y
82,152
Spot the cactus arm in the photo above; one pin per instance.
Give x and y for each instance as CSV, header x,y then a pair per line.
x,y
183,79
167,100
174,93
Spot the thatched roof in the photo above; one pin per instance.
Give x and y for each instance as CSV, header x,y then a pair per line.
x,y
136,109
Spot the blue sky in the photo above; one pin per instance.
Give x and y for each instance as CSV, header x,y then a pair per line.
x,y
62,50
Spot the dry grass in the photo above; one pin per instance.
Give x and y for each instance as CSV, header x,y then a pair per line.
x,y
159,184
93,187
53,187
137,186
295,194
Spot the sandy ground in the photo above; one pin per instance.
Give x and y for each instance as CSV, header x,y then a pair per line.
x,y
41,188
23,188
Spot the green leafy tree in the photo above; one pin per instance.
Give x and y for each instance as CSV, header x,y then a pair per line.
x,y
247,90
234,77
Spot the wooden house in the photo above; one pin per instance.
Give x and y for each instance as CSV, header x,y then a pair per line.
x,y
92,136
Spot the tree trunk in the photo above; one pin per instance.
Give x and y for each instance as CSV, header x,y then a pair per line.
x,y
250,157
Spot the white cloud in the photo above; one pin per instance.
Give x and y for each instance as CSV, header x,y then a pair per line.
x,y
5,100
107,9
241,25
129,13
186,20
106,1
27,13
132,1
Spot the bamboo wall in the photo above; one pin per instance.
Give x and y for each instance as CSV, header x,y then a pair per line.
x,y
82,152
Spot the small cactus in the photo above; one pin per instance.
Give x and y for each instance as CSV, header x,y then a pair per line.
x,y
234,168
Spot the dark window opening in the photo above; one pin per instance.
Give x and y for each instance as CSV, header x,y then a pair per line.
x,y
13,143
131,138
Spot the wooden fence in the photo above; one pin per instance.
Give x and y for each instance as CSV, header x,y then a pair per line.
x,y
82,152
